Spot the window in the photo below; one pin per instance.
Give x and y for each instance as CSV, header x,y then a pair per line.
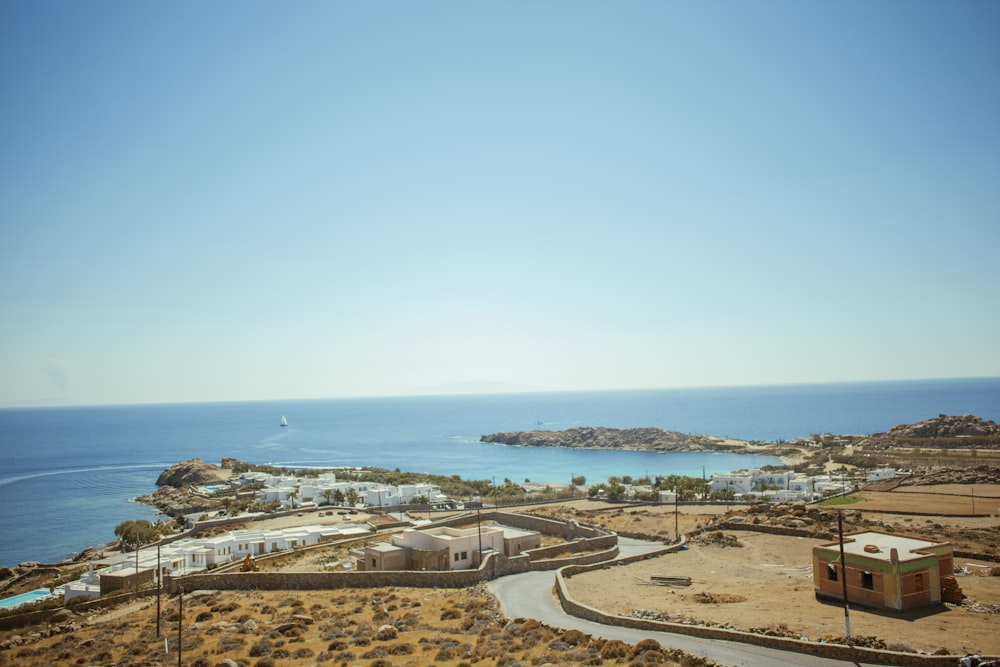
x,y
867,581
831,571
456,557
918,581
465,554
374,563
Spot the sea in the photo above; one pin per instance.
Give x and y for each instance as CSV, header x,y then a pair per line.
x,y
69,475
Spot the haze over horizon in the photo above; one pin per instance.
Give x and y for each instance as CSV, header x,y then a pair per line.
x,y
250,201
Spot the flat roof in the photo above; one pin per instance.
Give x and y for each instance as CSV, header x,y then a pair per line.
x,y
906,547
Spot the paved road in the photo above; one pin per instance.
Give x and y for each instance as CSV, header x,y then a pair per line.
x,y
530,595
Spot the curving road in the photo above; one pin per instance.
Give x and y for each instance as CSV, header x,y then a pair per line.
x,y
529,595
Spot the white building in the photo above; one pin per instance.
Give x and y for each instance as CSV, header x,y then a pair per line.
x,y
186,556
444,548
881,473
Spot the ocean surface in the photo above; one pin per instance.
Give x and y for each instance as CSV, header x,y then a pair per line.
x,y
67,474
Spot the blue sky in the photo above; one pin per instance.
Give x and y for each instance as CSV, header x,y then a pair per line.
x,y
243,200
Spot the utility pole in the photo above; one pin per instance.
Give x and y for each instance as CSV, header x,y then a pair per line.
x,y
159,588
843,576
180,623
137,567
677,530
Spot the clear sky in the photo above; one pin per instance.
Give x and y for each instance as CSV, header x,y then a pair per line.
x,y
236,200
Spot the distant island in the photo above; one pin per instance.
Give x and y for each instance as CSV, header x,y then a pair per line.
x,y
636,439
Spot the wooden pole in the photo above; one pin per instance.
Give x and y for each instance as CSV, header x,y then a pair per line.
x,y
677,531
159,588
180,622
843,576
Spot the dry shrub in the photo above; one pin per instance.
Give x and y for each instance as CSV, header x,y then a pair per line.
x,y
716,598
574,637
261,648
644,646
614,649
230,643
451,614
402,649
377,652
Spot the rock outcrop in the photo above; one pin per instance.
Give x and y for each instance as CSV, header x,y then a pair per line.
x,y
192,472
175,502
943,430
587,437
981,474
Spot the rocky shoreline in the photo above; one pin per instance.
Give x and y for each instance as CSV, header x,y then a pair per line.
x,y
174,496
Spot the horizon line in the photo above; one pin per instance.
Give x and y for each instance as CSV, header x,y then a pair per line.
x,y
491,392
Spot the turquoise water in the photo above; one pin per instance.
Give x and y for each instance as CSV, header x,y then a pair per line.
x,y
30,596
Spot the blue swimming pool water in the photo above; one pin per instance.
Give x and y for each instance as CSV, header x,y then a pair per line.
x,y
30,596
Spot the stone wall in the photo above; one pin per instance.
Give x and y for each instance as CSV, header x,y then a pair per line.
x,y
582,559
301,581
31,617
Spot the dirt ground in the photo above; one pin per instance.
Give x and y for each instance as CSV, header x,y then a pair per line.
x,y
945,499
766,583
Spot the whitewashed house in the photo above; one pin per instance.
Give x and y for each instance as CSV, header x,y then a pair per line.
x,y
881,473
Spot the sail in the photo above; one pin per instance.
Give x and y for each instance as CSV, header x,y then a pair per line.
x,y
284,422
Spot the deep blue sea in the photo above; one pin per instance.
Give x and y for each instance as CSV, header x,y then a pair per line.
x,y
67,474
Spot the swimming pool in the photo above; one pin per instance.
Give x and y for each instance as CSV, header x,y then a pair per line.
x,y
23,598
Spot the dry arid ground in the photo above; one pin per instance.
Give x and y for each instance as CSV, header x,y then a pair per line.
x,y
368,628
765,585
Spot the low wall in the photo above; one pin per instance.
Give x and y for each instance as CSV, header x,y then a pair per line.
x,y
31,617
300,581
582,559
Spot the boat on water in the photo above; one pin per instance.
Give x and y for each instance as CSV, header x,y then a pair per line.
x,y
284,422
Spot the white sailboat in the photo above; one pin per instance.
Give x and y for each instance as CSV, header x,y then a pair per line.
x,y
284,422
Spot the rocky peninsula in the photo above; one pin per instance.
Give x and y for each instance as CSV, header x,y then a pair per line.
x,y
174,496
637,439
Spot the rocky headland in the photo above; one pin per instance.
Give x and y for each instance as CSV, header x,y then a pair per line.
x,y
941,431
174,496
645,439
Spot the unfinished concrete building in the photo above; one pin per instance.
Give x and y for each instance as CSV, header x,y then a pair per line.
x,y
883,570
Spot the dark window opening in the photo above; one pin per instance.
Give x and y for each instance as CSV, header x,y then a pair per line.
x,y
831,572
918,580
867,580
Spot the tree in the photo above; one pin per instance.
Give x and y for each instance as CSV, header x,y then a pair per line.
x,y
136,533
579,480
328,495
